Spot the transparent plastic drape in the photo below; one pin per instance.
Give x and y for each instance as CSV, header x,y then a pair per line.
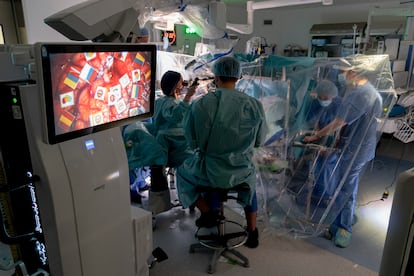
x,y
302,187
305,186
191,13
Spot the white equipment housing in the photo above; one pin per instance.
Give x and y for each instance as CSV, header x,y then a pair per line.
x,y
89,225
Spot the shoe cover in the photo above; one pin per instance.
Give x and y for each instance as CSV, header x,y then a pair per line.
x,y
342,238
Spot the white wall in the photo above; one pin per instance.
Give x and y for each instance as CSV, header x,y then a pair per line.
x,y
35,11
291,25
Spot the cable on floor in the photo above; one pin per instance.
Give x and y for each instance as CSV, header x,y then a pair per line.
x,y
386,192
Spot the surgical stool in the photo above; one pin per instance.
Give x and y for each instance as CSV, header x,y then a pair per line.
x,y
226,236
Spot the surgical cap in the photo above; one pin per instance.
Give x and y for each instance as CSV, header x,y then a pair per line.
x,y
358,69
169,82
326,87
227,67
359,65
143,32
343,65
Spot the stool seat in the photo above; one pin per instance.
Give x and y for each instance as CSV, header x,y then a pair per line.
x,y
227,235
223,192
243,187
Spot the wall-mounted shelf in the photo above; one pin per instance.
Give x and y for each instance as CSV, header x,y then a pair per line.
x,y
335,40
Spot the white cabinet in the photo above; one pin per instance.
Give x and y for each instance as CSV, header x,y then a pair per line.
x,y
335,40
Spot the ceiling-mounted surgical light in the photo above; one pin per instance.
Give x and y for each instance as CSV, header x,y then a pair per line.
x,y
327,2
269,4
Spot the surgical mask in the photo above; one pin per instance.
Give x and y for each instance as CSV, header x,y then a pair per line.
x,y
324,103
342,78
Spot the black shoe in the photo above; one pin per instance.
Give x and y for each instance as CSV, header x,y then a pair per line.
x,y
252,239
208,220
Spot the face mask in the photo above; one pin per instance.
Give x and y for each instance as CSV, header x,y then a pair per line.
x,y
342,78
325,103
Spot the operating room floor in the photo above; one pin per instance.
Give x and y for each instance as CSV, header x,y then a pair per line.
x,y
283,255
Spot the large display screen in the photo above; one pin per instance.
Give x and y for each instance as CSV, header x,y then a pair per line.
x,y
92,87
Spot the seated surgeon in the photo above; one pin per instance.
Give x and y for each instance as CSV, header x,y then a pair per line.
x,y
168,131
142,150
223,128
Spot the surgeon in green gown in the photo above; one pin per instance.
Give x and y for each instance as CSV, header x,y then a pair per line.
x,y
223,128
168,118
168,131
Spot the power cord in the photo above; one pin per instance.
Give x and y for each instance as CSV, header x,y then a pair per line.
x,y
386,192
394,180
385,195
369,202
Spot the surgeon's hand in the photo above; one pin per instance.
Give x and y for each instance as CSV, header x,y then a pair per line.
x,y
310,138
190,92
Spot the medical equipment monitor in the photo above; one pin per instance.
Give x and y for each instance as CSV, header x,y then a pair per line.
x,y
95,86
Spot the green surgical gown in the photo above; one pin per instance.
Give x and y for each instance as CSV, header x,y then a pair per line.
x,y
168,128
142,148
223,128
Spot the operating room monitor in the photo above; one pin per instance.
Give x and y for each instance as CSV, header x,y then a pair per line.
x,y
94,86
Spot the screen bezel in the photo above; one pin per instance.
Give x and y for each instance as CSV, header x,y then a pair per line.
x,y
46,49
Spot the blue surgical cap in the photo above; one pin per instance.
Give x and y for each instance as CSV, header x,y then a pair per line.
x,y
326,87
143,32
227,67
